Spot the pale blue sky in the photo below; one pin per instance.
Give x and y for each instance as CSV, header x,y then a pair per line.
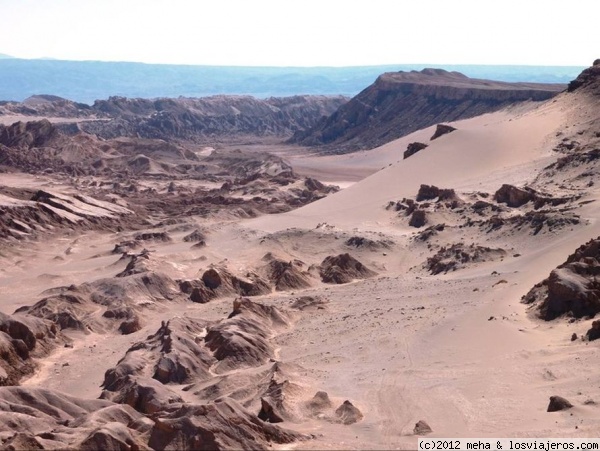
x,y
304,33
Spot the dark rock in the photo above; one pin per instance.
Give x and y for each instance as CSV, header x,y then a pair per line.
x,y
153,236
347,413
138,264
516,197
558,403
212,279
201,294
218,281
145,395
28,135
413,148
594,332
319,402
126,246
456,256
422,428
442,130
343,268
362,242
418,219
268,412
309,303
589,79
286,275
313,184
572,288
430,232
130,325
119,313
196,236
199,244
427,192
513,196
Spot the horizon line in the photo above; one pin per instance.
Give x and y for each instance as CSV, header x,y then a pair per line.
x,y
285,66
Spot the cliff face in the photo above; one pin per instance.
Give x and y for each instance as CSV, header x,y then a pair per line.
x,y
588,80
402,102
190,119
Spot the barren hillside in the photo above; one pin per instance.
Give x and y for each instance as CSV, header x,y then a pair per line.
x,y
400,103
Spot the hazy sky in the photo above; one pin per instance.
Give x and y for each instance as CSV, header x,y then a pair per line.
x,y
304,33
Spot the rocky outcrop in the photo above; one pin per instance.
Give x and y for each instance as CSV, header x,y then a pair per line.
x,y
343,268
361,242
558,403
202,355
115,303
219,282
513,196
193,119
348,413
516,197
418,218
35,418
48,106
286,275
588,80
251,183
319,403
431,192
22,338
153,236
208,118
310,303
400,103
593,333
222,425
196,237
572,288
32,214
422,428
39,146
543,221
413,148
459,255
243,340
27,135
441,130
171,355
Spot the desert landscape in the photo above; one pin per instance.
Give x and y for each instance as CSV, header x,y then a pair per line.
x,y
306,272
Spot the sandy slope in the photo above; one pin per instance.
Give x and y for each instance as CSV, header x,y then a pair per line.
x,y
402,346
483,153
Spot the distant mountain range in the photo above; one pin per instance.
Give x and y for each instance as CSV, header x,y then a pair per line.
x,y
86,81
